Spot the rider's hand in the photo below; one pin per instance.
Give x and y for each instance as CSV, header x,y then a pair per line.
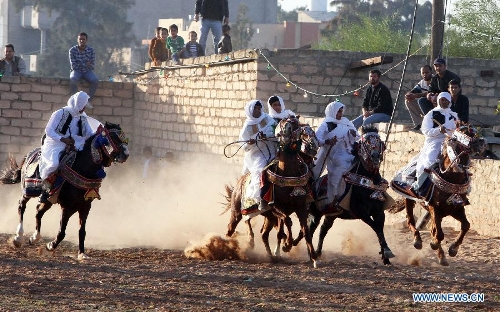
x,y
68,141
442,129
252,141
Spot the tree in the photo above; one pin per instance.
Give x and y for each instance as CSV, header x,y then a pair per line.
x,y
369,35
104,22
400,13
474,30
242,31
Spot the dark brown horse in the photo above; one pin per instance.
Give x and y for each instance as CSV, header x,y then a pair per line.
x,y
289,175
81,178
447,192
364,198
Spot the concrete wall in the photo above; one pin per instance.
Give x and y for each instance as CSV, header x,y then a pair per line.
x,y
198,109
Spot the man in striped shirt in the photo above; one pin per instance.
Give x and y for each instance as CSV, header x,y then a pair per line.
x,y
82,59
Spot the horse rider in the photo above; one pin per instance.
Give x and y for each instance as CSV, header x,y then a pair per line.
x,y
258,153
436,124
336,136
277,110
67,127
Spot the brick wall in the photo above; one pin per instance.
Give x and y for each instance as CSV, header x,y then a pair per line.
x,y
198,109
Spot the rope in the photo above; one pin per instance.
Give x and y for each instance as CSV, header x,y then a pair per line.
x,y
404,71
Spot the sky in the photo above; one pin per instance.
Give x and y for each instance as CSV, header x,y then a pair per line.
x,y
290,5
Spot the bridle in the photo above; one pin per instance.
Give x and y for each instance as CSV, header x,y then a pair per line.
x,y
371,150
459,145
103,142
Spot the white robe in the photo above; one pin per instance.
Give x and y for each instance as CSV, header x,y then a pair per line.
x,y
434,138
338,158
257,155
52,146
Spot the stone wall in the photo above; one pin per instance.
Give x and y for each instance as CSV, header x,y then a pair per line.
x,y
198,109
26,104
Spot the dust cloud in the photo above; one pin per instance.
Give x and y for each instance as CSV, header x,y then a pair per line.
x,y
180,209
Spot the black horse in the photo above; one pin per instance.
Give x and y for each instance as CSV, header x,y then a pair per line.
x,y
80,175
365,195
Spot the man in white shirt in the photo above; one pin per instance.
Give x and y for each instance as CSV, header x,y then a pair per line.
x,y
419,91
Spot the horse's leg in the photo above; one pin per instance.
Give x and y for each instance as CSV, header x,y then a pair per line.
x,y
437,236
378,227
251,240
280,236
289,237
266,229
459,215
303,214
41,208
410,221
83,214
312,223
65,215
325,227
21,208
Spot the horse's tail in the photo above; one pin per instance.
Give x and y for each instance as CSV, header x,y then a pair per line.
x,y
12,173
228,195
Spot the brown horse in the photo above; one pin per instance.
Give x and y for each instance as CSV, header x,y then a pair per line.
x,y
289,176
446,195
81,177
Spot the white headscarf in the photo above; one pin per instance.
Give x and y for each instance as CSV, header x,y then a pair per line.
x,y
283,115
442,110
77,102
331,111
251,120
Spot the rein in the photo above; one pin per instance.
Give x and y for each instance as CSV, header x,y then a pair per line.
x,y
244,142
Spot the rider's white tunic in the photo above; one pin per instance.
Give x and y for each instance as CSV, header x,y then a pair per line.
x,y
433,137
337,158
258,155
52,146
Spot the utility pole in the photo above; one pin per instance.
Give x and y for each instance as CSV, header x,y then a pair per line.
x,y
437,32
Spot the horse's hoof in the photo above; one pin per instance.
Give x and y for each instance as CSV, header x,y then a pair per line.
x,y
50,246
452,251
34,239
17,242
388,254
286,248
83,256
434,246
386,261
417,243
443,262
316,263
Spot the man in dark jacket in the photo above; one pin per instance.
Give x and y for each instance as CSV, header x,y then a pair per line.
x,y
377,105
12,65
459,102
213,14
439,83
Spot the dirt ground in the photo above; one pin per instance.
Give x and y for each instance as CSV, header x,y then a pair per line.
x,y
151,279
138,242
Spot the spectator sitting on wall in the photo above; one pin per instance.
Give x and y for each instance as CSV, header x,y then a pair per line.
x,y
82,60
12,65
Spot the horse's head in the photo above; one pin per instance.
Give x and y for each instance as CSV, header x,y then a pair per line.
x,y
457,149
112,141
289,136
371,148
310,143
